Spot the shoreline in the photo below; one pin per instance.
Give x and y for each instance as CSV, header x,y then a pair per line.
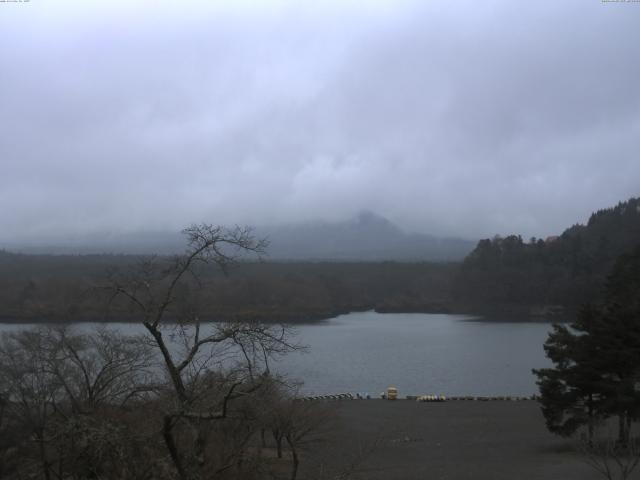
x,y
499,313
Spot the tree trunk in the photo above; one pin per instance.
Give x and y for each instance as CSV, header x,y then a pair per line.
x,y
167,433
278,438
43,456
591,420
200,444
623,433
294,457
174,374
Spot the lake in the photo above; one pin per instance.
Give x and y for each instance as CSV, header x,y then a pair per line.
x,y
417,353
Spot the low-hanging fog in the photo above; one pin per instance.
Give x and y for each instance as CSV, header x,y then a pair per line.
x,y
449,118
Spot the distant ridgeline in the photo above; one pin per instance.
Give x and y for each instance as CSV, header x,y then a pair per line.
x,y
567,270
500,275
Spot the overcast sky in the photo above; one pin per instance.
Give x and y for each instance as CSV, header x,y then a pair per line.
x,y
465,118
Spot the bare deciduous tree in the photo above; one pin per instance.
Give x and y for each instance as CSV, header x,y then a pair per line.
x,y
208,366
102,367
31,390
52,380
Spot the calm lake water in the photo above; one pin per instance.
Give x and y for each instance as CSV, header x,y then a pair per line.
x,y
417,353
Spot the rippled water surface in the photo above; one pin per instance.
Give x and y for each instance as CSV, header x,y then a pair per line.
x,y
417,353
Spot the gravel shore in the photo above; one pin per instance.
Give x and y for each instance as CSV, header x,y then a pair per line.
x,y
451,440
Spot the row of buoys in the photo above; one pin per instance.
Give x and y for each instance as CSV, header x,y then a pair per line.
x,y
431,398
340,396
442,398
511,398
393,395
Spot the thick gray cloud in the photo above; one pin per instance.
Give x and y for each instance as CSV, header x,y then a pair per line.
x,y
454,118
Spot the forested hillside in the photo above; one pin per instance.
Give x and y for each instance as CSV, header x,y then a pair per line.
x,y
68,288
566,270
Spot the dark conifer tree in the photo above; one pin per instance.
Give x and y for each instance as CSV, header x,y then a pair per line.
x,y
596,371
569,392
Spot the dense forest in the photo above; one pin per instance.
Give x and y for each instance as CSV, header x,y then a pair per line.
x,y
69,288
558,271
503,274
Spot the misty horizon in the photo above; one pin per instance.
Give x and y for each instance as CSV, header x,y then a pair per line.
x,y
463,120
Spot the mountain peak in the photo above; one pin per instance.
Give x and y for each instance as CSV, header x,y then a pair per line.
x,y
368,217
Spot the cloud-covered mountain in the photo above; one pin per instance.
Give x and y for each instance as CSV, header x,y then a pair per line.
x,y
367,236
